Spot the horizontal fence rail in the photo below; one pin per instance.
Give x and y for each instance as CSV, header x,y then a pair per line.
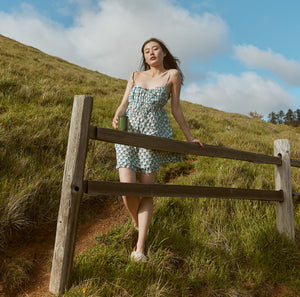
x,y
177,146
157,190
295,163
296,197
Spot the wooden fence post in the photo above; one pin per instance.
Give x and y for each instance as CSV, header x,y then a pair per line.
x,y
71,194
284,210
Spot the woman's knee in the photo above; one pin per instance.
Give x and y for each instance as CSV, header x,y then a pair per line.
x,y
147,200
147,178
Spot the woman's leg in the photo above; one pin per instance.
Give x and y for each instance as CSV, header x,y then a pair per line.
x,y
131,203
145,213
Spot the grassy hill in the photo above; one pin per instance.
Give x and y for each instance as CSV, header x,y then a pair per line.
x,y
197,247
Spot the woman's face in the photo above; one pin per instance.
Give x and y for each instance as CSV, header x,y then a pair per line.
x,y
153,53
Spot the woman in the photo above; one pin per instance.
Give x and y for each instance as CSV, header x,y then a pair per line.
x,y
146,93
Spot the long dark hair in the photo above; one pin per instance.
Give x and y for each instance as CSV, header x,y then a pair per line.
x,y
170,62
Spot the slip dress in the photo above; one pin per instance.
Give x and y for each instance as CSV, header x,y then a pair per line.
x,y
146,115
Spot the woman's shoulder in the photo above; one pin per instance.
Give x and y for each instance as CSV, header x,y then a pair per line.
x,y
174,73
133,76
136,74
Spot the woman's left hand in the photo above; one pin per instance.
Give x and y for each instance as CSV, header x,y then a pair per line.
x,y
197,141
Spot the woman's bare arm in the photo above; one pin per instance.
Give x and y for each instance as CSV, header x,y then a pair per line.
x,y
124,103
176,108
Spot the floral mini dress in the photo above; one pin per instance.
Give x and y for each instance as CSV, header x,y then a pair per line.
x,y
146,116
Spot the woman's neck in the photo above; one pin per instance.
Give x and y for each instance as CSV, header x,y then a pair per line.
x,y
156,71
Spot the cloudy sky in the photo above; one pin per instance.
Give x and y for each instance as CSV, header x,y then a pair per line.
x,y
237,55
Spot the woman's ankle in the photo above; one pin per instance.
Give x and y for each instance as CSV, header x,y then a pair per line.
x,y
140,249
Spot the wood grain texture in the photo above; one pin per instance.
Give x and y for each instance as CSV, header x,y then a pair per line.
x,y
177,146
283,181
72,190
158,190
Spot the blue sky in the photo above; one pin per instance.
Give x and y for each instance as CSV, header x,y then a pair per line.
x,y
237,56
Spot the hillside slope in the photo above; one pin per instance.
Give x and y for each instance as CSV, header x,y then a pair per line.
x,y
36,94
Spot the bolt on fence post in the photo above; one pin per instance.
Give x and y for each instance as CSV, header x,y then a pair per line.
x,y
71,194
283,181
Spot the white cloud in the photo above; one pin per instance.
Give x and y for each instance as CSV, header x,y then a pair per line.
x,y
254,58
33,29
243,94
108,37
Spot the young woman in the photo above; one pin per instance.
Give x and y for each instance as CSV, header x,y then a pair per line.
x,y
146,93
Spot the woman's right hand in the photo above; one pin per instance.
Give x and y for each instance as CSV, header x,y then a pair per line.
x,y
115,122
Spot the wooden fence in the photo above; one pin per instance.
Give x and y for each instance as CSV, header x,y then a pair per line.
x,y
74,185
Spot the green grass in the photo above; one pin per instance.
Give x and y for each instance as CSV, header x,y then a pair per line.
x,y
36,101
196,247
222,248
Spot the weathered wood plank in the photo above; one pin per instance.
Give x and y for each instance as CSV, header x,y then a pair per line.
x,y
177,146
283,181
71,193
295,163
158,190
296,197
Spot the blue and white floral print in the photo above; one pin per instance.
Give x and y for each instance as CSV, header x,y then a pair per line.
x,y
146,115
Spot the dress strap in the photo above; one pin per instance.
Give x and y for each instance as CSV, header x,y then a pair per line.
x,y
133,77
167,80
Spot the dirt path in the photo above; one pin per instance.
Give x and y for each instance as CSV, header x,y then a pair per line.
x,y
40,246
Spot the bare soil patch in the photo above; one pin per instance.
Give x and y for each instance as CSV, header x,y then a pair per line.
x,y
39,245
